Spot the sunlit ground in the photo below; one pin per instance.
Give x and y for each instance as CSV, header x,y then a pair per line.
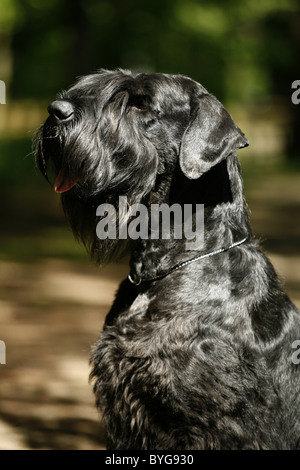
x,y
51,313
54,301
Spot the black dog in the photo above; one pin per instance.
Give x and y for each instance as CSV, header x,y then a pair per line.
x,y
198,350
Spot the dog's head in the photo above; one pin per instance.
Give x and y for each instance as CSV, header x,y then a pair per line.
x,y
118,130
123,133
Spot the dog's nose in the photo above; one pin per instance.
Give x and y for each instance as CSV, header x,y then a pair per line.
x,y
60,109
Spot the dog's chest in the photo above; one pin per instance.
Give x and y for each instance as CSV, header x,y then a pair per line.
x,y
143,345
138,332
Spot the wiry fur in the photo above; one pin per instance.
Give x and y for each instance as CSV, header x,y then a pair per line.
x,y
201,358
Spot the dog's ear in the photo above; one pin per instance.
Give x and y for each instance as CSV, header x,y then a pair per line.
x,y
210,137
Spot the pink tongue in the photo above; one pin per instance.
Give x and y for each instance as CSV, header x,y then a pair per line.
x,y
63,184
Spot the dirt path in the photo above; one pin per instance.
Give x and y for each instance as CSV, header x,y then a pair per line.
x,y
51,313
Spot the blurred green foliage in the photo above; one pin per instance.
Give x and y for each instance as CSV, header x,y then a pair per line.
x,y
234,48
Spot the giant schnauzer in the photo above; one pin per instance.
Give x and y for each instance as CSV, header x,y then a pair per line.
x,y
199,350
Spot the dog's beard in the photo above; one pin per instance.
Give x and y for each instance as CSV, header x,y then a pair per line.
x,y
81,214
82,191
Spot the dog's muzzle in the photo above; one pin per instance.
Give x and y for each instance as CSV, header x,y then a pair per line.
x,y
62,111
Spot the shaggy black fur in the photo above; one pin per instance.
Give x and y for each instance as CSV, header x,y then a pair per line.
x,y
202,357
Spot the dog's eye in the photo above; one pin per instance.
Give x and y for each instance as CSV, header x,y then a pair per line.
x,y
139,102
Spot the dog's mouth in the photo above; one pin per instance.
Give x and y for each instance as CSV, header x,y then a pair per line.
x,y
64,183
50,146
